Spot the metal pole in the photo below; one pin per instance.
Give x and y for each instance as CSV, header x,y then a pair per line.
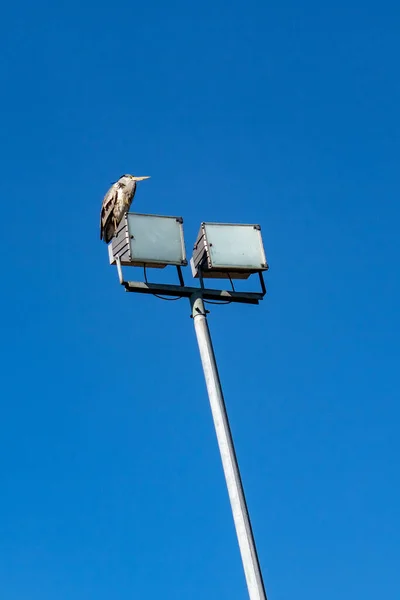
x,y
251,565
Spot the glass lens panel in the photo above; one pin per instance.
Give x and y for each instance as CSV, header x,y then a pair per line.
x,y
156,239
235,246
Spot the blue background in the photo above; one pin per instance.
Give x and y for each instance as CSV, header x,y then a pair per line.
x,y
282,114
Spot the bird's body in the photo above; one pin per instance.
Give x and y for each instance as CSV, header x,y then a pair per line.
x,y
116,203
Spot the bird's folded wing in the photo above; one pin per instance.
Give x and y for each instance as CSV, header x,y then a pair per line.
x,y
107,207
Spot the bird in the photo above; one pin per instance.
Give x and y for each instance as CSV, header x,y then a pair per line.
x,y
116,204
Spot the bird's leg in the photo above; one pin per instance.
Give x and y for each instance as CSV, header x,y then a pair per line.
x,y
115,227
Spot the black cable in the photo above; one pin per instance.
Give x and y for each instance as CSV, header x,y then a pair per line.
x,y
157,295
169,299
222,301
179,297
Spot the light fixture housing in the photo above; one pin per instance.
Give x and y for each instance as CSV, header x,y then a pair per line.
x,y
149,240
228,250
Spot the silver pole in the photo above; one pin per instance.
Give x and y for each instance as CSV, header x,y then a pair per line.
x,y
240,513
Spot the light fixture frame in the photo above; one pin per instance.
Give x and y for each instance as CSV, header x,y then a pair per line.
x,y
122,245
204,264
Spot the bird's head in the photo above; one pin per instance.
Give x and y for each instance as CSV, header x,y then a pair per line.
x,y
134,178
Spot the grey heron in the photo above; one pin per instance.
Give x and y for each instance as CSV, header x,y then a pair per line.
x,y
116,203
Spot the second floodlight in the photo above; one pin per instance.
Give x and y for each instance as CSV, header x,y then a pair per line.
x,y
227,250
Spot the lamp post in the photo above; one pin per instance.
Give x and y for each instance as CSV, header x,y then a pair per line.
x,y
230,465
221,251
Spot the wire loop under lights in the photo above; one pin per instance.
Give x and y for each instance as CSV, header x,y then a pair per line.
x,y
158,295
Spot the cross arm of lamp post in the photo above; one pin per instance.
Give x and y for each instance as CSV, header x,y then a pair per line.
x,y
184,291
187,292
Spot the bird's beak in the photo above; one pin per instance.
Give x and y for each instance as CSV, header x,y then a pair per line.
x,y
141,178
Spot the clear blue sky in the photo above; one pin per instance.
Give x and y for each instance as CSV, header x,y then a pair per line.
x,y
285,114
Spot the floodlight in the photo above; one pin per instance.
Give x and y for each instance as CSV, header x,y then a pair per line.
x,y
228,250
149,240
